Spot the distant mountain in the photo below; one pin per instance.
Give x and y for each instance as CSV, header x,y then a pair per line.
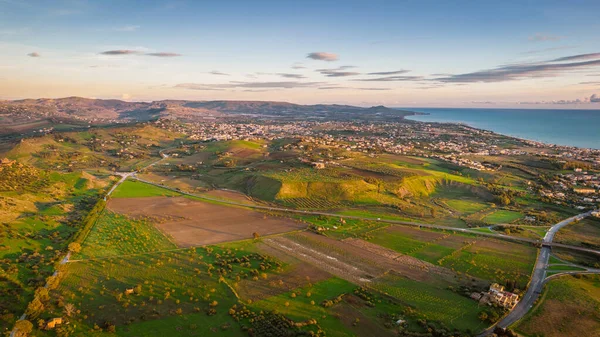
x,y
16,116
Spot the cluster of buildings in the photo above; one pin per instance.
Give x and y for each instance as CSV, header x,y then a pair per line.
x,y
580,187
498,296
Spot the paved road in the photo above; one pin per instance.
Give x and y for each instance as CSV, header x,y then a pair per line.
x,y
537,278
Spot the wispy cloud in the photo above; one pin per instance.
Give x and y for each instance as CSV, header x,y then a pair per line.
x,y
338,72
247,85
579,57
120,52
15,31
287,75
351,88
218,73
164,54
322,56
527,70
385,73
63,12
545,50
298,66
34,54
127,28
586,100
391,79
137,52
544,37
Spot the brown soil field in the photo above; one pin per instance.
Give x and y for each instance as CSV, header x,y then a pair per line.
x,y
356,260
562,320
326,258
193,159
407,266
195,223
297,276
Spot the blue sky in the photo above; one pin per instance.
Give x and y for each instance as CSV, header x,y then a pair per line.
x,y
398,53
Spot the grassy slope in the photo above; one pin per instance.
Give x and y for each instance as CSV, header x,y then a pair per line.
x,y
570,306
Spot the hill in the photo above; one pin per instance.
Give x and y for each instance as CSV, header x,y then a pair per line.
x,y
38,114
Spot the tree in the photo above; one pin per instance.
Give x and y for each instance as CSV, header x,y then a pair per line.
x,y
23,327
483,316
69,309
74,247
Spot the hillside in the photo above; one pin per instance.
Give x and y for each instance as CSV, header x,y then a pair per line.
x,y
37,114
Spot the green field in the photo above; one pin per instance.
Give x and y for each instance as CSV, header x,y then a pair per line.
x,y
466,206
137,189
502,217
476,256
301,307
564,268
115,235
458,311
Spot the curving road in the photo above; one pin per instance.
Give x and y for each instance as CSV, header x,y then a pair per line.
x,y
538,278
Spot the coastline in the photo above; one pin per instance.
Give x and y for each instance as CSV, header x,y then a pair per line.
x,y
443,119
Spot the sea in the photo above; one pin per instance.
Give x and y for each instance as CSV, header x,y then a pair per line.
x,y
580,128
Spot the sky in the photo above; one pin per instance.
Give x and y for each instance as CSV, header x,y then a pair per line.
x,y
520,54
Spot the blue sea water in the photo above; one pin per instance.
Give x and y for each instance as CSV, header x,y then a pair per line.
x,y
579,128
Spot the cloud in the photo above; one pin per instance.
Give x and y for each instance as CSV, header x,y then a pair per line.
x,y
482,102
338,72
218,73
593,82
385,73
17,31
544,37
298,66
579,57
63,12
34,54
351,88
527,70
120,52
392,79
137,52
331,88
247,85
127,28
104,66
164,54
586,100
322,56
286,75
540,51
125,96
